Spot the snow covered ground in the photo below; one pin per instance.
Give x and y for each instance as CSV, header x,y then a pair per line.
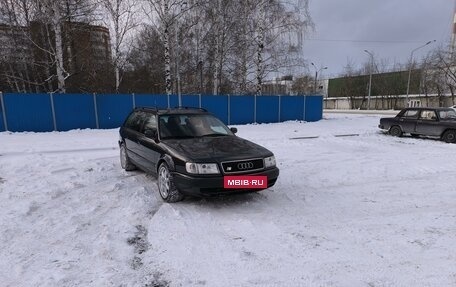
x,y
366,210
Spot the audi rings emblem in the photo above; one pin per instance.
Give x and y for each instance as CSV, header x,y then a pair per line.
x,y
245,165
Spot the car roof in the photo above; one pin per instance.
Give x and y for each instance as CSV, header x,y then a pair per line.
x,y
177,110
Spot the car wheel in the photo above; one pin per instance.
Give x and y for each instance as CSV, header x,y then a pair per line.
x,y
125,160
395,131
166,187
449,136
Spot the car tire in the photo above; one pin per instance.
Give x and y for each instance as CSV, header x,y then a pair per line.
x,y
166,187
449,136
395,131
125,162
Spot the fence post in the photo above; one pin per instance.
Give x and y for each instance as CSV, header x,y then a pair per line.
x,y
304,108
229,110
199,99
3,111
168,100
134,100
254,108
95,106
279,107
54,121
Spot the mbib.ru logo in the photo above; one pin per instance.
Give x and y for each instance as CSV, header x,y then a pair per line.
x,y
247,181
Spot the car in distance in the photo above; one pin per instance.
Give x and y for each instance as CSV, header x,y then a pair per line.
x,y
190,151
435,122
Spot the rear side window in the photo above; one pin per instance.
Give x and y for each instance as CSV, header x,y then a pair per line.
x,y
150,122
428,115
135,121
447,114
412,114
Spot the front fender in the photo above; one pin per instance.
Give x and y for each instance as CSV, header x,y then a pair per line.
x,y
169,161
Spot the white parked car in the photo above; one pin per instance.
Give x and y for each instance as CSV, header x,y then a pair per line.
x,y
453,107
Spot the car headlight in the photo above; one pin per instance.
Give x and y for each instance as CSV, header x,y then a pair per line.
x,y
269,162
201,168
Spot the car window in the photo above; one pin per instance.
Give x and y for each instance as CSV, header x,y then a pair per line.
x,y
428,115
447,114
150,122
135,121
410,114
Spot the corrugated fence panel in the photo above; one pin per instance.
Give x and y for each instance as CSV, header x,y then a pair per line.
x,y
144,100
2,125
33,112
113,109
173,101
28,112
218,105
242,109
267,109
291,108
314,108
190,101
74,111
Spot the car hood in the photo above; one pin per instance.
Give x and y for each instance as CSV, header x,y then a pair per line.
x,y
217,148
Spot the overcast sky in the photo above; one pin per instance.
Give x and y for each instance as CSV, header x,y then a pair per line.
x,y
390,29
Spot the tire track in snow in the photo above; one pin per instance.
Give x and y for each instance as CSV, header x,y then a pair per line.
x,y
9,154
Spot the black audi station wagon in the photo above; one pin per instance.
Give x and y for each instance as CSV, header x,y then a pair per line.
x,y
190,151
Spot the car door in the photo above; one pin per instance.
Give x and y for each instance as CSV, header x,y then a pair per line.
x,y
428,123
408,120
131,132
149,149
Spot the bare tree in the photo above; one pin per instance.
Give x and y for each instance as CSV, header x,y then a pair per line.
x,y
280,28
122,20
446,65
52,16
167,12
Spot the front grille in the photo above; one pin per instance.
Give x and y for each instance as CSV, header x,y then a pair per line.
x,y
243,165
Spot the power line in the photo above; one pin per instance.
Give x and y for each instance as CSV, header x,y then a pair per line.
x,y
364,41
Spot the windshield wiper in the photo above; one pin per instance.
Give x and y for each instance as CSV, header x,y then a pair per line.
x,y
178,137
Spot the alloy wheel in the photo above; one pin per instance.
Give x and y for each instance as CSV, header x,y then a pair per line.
x,y
163,181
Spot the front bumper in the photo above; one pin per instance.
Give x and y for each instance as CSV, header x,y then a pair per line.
x,y
205,186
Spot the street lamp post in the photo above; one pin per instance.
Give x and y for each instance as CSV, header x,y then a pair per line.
x,y
370,77
410,69
316,75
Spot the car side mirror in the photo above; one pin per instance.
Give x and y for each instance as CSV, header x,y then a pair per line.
x,y
152,134
233,130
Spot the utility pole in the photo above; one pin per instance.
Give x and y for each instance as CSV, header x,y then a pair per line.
x,y
370,78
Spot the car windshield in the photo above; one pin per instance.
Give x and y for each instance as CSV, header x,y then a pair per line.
x,y
447,114
191,125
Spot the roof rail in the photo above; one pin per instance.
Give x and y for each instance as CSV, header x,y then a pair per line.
x,y
191,108
146,108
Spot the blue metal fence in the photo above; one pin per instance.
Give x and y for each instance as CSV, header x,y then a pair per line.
x,y
218,105
2,114
268,108
71,111
242,107
62,112
28,112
